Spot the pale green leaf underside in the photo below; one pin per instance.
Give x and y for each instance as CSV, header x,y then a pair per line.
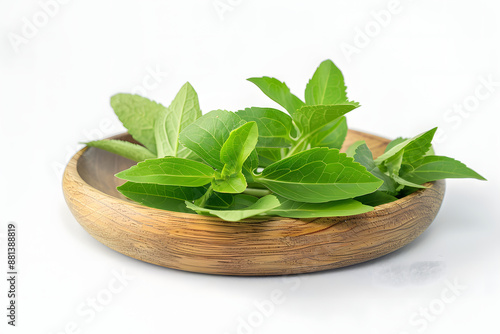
x,y
295,209
262,206
406,183
124,148
394,142
169,171
138,114
318,175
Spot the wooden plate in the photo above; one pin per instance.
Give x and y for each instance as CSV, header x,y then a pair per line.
x,y
275,246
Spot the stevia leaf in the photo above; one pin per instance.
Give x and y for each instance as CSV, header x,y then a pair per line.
x,y
274,126
233,184
169,171
250,164
219,201
262,206
419,147
163,197
331,135
238,147
124,148
326,86
318,175
294,209
138,114
163,148
393,164
363,155
278,92
411,144
433,167
268,156
311,119
243,201
376,198
394,142
230,201
208,133
183,111
351,150
406,183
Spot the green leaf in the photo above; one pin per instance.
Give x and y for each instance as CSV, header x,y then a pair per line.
x,y
230,201
233,184
238,147
331,135
351,150
262,206
364,156
124,148
250,165
412,145
393,164
219,201
138,114
433,167
278,92
418,147
405,182
318,175
162,146
376,198
294,209
208,133
326,86
311,119
274,126
394,142
183,111
170,198
268,156
169,171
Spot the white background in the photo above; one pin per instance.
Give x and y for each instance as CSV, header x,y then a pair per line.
x,y
427,58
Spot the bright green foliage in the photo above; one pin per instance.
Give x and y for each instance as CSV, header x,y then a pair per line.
x,y
262,206
169,171
171,198
318,175
260,162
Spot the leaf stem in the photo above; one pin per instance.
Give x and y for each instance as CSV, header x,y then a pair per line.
x,y
257,192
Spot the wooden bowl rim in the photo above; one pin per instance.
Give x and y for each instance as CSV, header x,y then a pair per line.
x,y
71,174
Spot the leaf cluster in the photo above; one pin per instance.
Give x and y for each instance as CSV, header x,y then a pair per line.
x,y
263,161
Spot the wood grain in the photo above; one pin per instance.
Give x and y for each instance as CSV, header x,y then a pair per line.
x,y
276,246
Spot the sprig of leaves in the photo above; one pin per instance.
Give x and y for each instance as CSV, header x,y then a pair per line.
x,y
260,162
